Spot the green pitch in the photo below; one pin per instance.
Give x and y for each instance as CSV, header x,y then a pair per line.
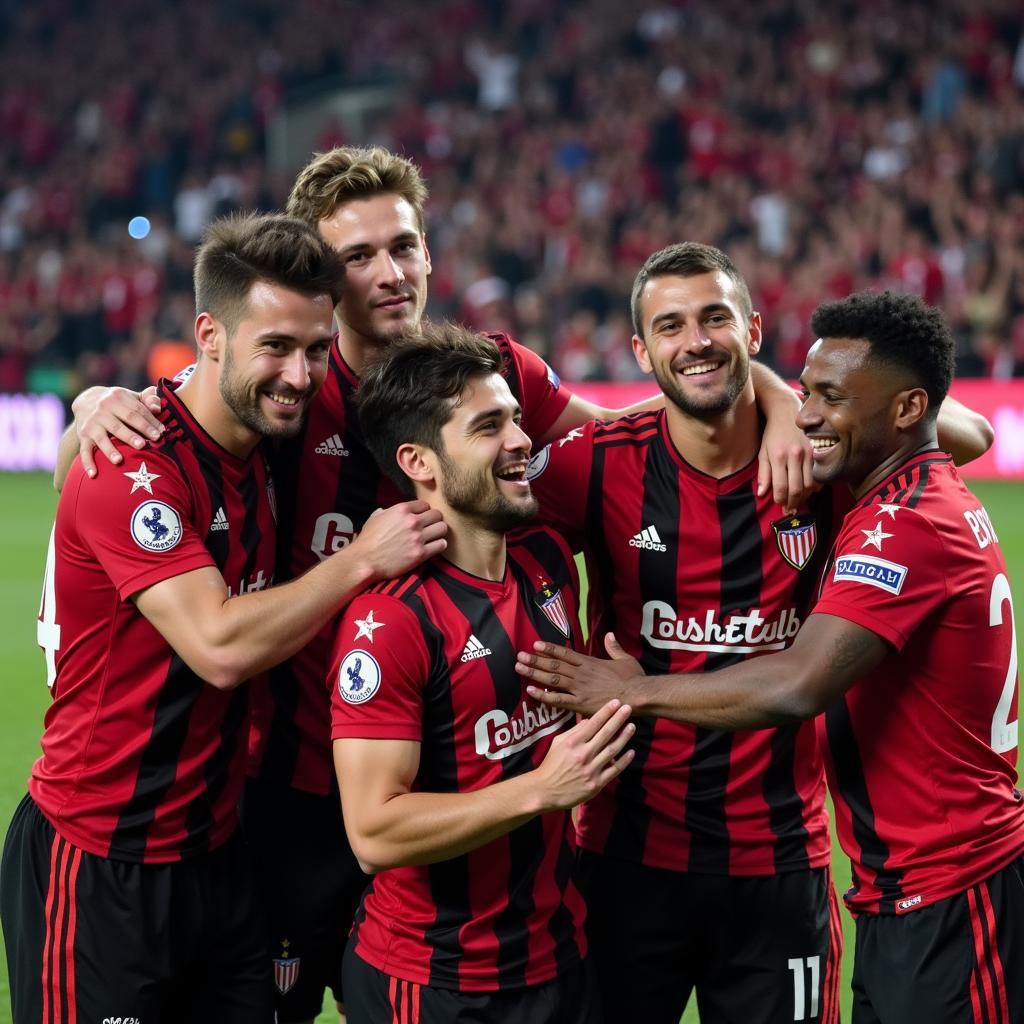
x,y
27,503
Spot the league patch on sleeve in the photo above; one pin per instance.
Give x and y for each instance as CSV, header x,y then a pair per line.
x,y
358,677
553,379
156,526
538,463
875,572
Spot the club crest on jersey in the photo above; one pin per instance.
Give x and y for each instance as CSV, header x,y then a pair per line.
x,y
156,526
286,970
875,572
797,537
358,677
538,463
551,604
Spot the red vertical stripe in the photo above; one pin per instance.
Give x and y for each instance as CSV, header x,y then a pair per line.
x,y
987,996
69,938
995,960
51,897
415,1004
833,972
393,999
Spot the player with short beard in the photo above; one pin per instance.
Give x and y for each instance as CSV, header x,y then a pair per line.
x,y
693,570
125,888
455,790
908,669
368,203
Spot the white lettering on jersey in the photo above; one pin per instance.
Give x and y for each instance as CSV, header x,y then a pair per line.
x,y
663,628
497,735
981,527
332,532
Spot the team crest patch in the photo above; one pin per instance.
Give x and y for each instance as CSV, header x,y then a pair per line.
x,y
156,526
358,677
797,537
286,970
551,604
875,572
538,463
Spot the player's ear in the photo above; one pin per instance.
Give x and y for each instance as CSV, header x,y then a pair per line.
x,y
640,353
426,251
909,407
417,462
210,336
754,334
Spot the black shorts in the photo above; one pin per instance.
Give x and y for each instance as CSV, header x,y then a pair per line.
x,y
761,949
374,997
961,959
310,884
92,939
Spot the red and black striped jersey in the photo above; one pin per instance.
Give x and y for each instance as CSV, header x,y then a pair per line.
x,y
921,751
143,760
328,486
693,573
430,658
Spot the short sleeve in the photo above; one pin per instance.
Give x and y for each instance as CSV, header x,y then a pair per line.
x,y
138,520
889,572
559,476
379,668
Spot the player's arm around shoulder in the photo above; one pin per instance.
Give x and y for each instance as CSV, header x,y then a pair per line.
x,y
962,432
227,639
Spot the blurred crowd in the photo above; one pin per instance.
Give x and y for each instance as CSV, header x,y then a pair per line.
x,y
827,146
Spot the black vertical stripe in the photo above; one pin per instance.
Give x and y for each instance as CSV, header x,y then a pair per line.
x,y
158,766
627,836
741,580
852,786
785,807
526,843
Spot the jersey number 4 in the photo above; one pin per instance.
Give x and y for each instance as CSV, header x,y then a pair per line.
x,y
47,630
1004,732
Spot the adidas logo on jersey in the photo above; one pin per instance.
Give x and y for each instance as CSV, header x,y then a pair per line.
x,y
648,540
331,446
220,521
474,649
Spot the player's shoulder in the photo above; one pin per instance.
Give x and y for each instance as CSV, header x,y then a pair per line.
x,y
637,428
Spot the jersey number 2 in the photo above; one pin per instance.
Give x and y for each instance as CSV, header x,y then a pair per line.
x,y
1004,732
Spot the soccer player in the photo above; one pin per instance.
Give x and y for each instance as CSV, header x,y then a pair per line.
x,y
911,654
721,837
368,203
455,786
125,889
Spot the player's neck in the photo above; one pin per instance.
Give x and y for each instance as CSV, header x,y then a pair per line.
x,y
200,394
356,350
720,445
892,462
474,548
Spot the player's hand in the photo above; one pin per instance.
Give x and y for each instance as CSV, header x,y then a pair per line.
x,y
103,413
567,679
584,759
784,463
397,539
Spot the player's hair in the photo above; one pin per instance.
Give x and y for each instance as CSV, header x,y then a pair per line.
x,y
903,333
354,172
687,259
239,250
407,394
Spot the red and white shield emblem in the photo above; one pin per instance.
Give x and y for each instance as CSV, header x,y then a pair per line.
x,y
797,537
551,604
286,973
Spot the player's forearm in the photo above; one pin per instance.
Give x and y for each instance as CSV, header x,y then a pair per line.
x,y
744,696
425,828
252,632
962,432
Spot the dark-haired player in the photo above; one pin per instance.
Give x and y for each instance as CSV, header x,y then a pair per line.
x,y
125,890
368,204
911,655
455,785
693,570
